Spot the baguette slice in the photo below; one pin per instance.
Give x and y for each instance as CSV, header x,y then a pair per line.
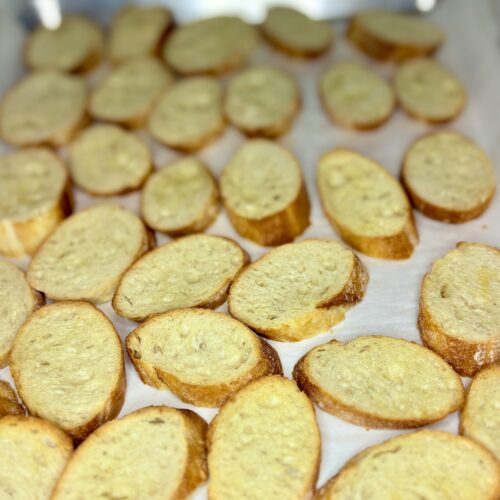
x,y
262,101
193,271
130,92
17,302
428,91
45,107
448,177
371,381
138,30
9,404
264,443
34,453
355,96
67,364
35,197
75,45
189,114
107,160
366,205
180,198
156,453
298,290
423,464
86,255
202,356
296,34
396,36
210,46
459,316
480,419
264,193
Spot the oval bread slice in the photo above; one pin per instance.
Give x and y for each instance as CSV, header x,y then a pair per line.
x,y
67,364
9,404
35,197
425,464
214,45
428,91
138,30
371,381
384,34
480,419
366,205
459,316
85,256
34,453
75,45
156,453
264,193
294,33
189,115
193,271
107,160
298,290
180,198
448,177
264,443
130,91
355,96
17,302
45,107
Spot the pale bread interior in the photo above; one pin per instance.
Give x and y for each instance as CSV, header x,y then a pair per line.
x,y
66,362
355,95
178,195
361,196
265,443
462,292
106,159
261,179
447,170
86,255
261,97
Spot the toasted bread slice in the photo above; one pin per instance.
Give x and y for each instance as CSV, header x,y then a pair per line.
x,y
202,356
210,46
459,316
422,464
45,107
130,91
480,419
264,193
9,404
67,364
371,381
193,271
86,255
298,290
264,443
34,453
18,301
180,198
448,177
383,34
262,101
355,96
294,33
156,453
428,91
189,114
366,205
34,197
75,45
107,160
138,30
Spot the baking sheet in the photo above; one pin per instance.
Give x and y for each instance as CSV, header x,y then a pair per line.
x,y
390,304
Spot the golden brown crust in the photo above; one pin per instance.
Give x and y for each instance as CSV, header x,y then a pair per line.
x,y
9,404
